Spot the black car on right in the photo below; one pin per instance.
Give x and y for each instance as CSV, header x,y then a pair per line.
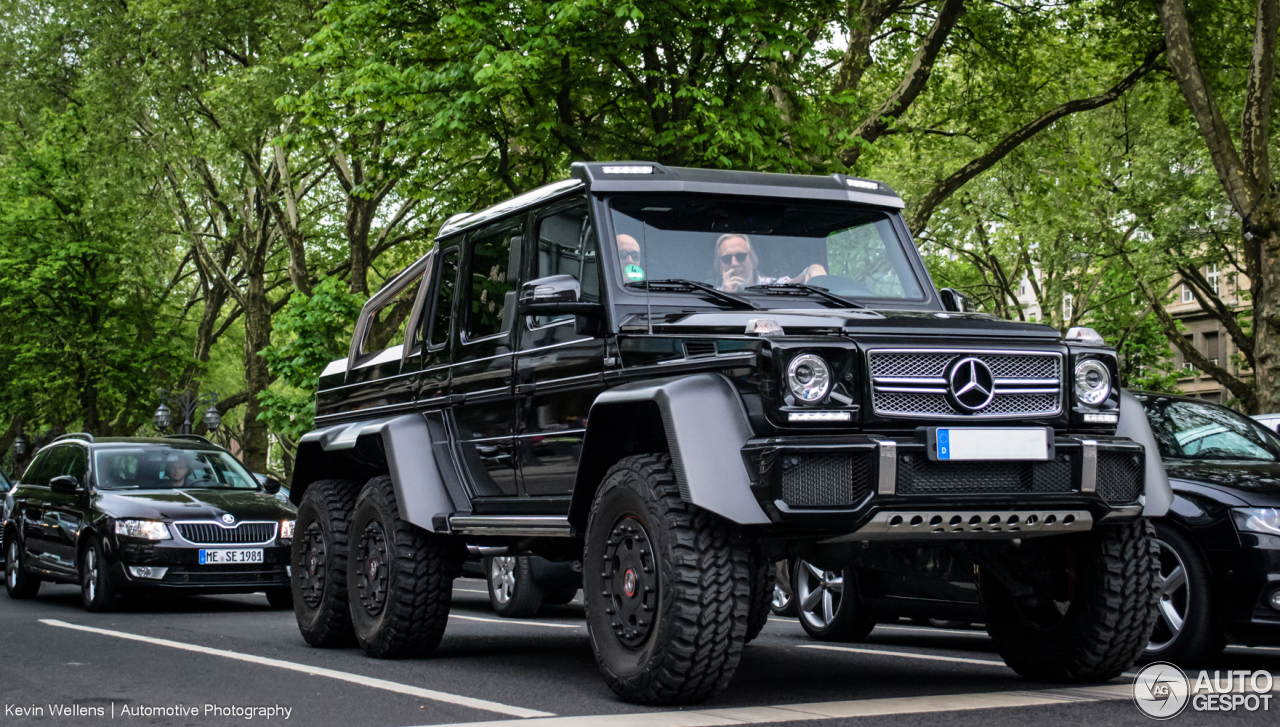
x,y
1220,541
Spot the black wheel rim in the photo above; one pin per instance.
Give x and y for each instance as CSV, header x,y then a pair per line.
x,y
630,581
312,560
373,568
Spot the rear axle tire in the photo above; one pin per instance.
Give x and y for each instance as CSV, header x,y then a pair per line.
x,y
1091,613
319,563
667,587
399,578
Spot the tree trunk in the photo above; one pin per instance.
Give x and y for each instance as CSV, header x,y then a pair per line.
x,y
257,337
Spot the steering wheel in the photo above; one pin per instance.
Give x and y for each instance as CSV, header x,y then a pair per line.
x,y
840,285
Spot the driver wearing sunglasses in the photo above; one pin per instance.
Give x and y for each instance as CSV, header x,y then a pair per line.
x,y
736,262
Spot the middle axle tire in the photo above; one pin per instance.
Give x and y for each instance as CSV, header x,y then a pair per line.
x,y
667,587
399,577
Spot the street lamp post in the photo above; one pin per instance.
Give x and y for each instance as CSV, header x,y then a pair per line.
x,y
187,403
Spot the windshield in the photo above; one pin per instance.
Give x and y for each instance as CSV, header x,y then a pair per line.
x,y
1190,430
157,467
738,244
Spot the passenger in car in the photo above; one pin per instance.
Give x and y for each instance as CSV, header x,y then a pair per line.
x,y
736,263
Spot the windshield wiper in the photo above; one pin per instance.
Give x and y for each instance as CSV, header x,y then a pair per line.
x,y
690,286
786,288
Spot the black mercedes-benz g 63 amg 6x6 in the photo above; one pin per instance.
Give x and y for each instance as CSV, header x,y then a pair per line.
x,y
681,376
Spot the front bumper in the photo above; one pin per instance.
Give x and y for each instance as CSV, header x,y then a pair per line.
x,y
1244,582
873,488
186,574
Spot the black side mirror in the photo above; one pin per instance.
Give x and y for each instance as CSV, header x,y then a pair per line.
x,y
64,484
557,295
271,486
954,300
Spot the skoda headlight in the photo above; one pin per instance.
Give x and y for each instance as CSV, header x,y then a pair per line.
x,y
809,378
1093,382
145,529
286,529
1257,519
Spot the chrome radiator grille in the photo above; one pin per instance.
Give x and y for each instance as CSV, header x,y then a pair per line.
x,y
914,383
213,533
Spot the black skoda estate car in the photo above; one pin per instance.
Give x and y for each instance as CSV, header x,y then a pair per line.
x,y
121,516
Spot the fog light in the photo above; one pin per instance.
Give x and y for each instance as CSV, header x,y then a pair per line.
x,y
819,416
147,571
1275,599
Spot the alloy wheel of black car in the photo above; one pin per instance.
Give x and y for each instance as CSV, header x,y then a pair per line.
x,y
403,574
95,588
373,568
1186,631
1074,608
700,583
319,563
17,581
513,593
827,604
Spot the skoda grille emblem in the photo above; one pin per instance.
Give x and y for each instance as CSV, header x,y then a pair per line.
x,y
970,385
228,518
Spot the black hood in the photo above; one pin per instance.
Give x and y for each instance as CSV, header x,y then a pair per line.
x,y
1256,483
909,322
193,504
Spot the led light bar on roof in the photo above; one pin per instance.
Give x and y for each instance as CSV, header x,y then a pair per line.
x,y
629,169
862,184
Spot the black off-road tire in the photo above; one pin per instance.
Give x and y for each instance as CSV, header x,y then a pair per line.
x,y
763,574
17,581
513,593
320,587
95,585
280,598
1201,638
699,569
560,596
399,577
1114,582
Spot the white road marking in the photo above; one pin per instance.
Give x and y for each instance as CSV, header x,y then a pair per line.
x,y
833,710
470,590
932,630
517,622
431,694
904,654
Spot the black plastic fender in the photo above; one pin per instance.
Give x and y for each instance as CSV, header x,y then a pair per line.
x,y
399,446
1157,494
704,426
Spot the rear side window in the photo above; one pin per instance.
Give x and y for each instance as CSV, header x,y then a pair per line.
x,y
491,293
46,466
387,324
442,314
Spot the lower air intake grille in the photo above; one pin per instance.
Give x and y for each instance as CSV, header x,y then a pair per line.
x,y
1119,476
822,480
917,475
215,534
228,575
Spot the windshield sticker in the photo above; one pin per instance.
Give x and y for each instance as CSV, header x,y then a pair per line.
x,y
634,272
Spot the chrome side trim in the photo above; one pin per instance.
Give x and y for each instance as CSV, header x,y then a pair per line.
x,y
1088,465
548,526
968,525
887,482
1126,511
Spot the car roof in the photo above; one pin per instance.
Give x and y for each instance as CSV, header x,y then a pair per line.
x,y
120,442
656,178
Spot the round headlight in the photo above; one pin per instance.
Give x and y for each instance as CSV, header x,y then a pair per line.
x,y
1093,382
809,378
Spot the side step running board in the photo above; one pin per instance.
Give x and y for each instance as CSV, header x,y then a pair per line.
x,y
545,526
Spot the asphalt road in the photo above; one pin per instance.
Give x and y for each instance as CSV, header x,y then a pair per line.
x,y
205,661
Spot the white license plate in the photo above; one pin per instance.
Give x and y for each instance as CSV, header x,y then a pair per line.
x,y
993,443
218,557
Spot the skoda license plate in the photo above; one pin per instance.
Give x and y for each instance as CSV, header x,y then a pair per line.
x,y
990,443
219,557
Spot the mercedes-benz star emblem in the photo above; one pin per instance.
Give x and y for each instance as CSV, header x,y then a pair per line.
x,y
970,385
228,518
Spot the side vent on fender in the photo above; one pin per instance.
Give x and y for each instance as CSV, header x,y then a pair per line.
x,y
697,349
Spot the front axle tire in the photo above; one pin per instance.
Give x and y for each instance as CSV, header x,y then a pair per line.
x,y
319,558
666,585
